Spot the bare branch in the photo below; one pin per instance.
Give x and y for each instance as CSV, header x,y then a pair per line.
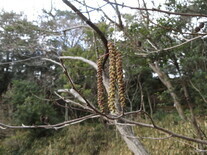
x,y
19,61
107,17
90,7
158,10
75,27
76,95
165,131
53,61
121,26
93,64
126,122
72,102
170,48
173,29
92,25
160,138
28,59
153,138
198,91
87,102
54,126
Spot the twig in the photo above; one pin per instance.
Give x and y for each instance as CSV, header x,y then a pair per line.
x,y
165,131
90,7
153,138
158,10
169,48
196,149
198,91
70,101
73,86
19,61
93,26
75,27
160,138
54,126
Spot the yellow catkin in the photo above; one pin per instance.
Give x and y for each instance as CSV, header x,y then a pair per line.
x,y
120,79
100,87
112,77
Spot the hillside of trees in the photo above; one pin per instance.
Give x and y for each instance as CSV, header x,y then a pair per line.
x,y
129,81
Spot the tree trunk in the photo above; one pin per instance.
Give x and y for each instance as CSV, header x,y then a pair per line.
x,y
66,112
142,106
166,81
125,131
132,142
150,103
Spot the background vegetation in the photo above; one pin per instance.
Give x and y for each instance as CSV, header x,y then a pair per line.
x,y
27,82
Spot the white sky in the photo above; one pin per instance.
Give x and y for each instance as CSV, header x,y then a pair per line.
x,y
33,8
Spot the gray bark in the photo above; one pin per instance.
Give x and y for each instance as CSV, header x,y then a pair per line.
x,y
126,132
132,142
166,81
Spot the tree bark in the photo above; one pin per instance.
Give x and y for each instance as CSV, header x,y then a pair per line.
x,y
166,81
126,132
150,103
66,112
132,142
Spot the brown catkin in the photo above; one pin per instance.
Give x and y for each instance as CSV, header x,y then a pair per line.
x,y
120,79
112,77
100,87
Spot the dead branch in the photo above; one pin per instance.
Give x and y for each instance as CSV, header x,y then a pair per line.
x,y
55,126
93,64
153,138
72,102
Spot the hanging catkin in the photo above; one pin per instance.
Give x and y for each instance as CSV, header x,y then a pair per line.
x,y
112,77
115,77
120,80
100,87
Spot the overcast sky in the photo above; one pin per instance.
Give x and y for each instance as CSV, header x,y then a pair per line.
x,y
33,8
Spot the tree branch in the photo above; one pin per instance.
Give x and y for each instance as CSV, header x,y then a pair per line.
x,y
158,10
19,61
93,64
55,126
169,48
202,96
93,26
72,102
165,131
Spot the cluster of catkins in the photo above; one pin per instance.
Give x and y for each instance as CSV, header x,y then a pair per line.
x,y
115,80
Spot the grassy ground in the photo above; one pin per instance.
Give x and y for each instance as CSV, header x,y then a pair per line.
x,y
92,139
